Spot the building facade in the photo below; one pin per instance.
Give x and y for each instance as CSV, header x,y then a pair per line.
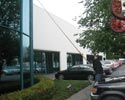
x,y
55,43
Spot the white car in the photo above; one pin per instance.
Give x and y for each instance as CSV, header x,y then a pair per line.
x,y
107,70
110,63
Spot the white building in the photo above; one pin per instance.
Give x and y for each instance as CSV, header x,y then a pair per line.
x,y
56,42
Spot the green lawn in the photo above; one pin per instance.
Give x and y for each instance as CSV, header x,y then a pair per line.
x,y
61,90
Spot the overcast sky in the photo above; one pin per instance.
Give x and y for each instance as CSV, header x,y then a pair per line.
x,y
65,9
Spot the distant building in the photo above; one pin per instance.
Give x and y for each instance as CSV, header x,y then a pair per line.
x,y
51,46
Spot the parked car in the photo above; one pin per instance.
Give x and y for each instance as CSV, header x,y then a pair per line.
x,y
110,63
10,70
76,72
112,88
122,60
107,70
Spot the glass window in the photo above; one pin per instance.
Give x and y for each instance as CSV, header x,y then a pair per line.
x,y
10,13
26,54
26,16
9,41
74,59
49,61
9,48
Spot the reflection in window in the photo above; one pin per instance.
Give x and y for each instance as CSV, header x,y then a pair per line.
x,y
74,59
26,52
9,46
55,60
10,13
26,16
47,61
9,39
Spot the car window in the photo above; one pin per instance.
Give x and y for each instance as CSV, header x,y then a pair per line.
x,y
75,66
84,67
74,69
107,62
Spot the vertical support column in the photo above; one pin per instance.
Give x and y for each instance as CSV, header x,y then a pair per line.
x,y
21,46
31,41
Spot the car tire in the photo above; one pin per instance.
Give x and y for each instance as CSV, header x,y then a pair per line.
x,y
112,98
61,77
91,78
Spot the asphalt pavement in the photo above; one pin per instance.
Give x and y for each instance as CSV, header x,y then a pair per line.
x,y
84,94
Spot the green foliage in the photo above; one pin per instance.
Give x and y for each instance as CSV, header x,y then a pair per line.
x,y
97,35
40,91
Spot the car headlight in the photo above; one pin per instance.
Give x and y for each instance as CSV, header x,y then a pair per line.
x,y
94,90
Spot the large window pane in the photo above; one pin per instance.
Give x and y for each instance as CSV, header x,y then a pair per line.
x,y
47,61
9,46
26,54
26,16
74,59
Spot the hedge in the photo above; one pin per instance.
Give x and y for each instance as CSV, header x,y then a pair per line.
x,y
43,90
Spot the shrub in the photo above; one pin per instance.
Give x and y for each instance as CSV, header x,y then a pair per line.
x,y
43,90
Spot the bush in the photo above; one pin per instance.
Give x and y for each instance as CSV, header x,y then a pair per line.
x,y
40,91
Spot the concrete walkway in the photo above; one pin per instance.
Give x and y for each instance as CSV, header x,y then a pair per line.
x,y
84,94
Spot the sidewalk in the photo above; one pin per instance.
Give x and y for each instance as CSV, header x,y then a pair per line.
x,y
84,94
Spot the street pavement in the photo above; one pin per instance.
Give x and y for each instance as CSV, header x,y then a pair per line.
x,y
84,94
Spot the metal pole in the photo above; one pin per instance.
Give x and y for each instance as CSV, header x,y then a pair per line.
x,y
31,41
21,46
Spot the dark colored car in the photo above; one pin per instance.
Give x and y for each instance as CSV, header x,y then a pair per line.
x,y
112,88
76,72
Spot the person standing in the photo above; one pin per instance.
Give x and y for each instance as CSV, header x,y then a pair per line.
x,y
97,66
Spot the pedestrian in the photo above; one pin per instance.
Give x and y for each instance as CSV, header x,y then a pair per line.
x,y
97,66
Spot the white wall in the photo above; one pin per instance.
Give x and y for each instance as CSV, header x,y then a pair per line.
x,y
47,36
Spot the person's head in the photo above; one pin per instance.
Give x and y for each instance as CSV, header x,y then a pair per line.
x,y
96,57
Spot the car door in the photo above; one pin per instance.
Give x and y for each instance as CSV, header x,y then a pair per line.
x,y
84,72
73,73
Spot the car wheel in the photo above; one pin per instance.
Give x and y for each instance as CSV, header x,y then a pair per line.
x,y
91,78
112,98
61,77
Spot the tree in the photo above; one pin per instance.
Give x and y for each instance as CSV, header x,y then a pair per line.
x,y
97,34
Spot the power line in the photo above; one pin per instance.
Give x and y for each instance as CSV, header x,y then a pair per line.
x,y
61,30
